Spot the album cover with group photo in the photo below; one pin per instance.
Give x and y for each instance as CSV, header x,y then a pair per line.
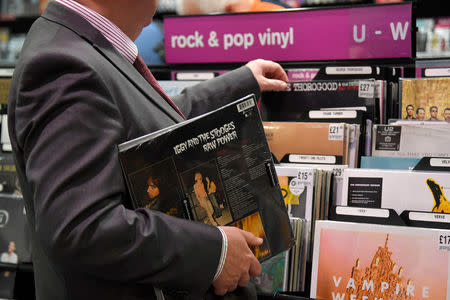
x,y
216,169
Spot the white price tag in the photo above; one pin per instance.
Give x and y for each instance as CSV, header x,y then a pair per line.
x,y
304,176
338,172
366,89
336,132
443,241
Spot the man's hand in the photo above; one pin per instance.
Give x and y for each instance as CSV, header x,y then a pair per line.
x,y
269,75
240,263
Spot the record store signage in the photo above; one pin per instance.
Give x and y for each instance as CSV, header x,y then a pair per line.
x,y
371,32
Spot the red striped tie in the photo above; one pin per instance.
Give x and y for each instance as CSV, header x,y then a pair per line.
x,y
140,65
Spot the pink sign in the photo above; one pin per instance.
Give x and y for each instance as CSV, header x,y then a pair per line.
x,y
371,32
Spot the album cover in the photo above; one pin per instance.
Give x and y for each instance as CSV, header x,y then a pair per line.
x,y
389,163
300,142
5,84
337,180
7,283
371,261
353,117
397,189
15,244
297,187
9,182
273,276
354,145
295,103
425,99
411,140
216,169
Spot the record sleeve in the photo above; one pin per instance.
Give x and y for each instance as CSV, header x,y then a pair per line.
x,y
337,184
273,276
411,140
389,163
297,187
216,169
327,143
9,182
380,262
295,103
7,283
397,189
15,243
425,99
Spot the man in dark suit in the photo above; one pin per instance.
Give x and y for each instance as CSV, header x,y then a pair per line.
x,y
75,95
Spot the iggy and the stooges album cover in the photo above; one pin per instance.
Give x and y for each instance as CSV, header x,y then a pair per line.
x,y
216,169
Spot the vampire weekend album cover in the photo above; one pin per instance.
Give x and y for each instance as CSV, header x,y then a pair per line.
x,y
373,262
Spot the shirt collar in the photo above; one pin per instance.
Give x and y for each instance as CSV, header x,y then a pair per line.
x,y
121,42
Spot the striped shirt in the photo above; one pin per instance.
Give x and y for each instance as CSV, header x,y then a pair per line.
x,y
128,49
109,30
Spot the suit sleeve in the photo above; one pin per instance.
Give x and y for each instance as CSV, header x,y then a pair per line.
x,y
67,127
214,93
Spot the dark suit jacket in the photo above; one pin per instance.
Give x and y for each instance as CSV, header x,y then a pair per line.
x,y
73,99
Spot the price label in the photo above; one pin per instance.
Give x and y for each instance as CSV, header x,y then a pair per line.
x,y
366,89
304,175
338,172
336,132
443,241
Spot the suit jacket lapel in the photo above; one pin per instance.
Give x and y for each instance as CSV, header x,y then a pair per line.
x,y
64,16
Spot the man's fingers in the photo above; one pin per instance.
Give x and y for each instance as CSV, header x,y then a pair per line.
x,y
265,71
273,85
245,278
255,268
251,239
276,71
220,291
